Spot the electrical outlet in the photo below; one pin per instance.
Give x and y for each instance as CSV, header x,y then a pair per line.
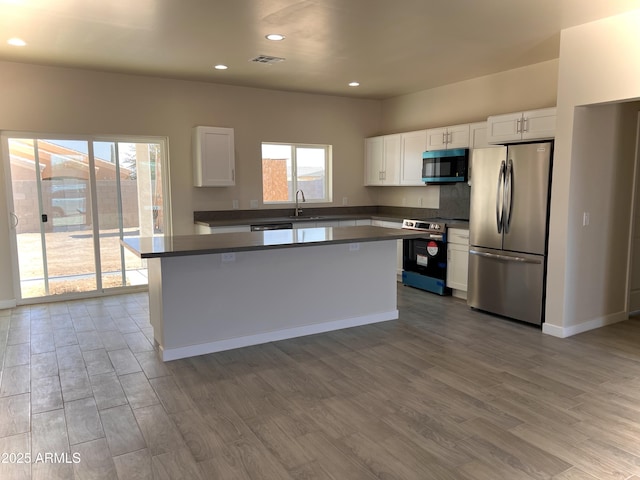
x,y
420,201
345,200
228,257
585,219
235,204
404,201
254,203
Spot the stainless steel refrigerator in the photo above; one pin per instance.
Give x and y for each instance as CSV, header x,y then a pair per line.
x,y
508,224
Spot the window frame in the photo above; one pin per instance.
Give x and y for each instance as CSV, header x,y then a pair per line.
x,y
328,160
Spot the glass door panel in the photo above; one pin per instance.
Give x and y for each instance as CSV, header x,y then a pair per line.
x,y
65,191
129,203
51,200
26,208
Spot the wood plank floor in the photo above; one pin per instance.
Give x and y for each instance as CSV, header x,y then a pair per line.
x,y
443,393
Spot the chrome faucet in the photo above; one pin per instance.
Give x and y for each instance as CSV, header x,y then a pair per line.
x,y
298,209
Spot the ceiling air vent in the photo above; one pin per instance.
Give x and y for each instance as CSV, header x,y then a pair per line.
x,y
266,59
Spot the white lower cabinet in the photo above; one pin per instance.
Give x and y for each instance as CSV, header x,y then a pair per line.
x,y
203,229
458,261
305,225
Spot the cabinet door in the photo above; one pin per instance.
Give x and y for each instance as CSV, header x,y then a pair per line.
x,y
297,225
214,157
231,229
478,135
413,144
457,266
458,136
373,160
392,159
504,128
539,124
437,138
346,223
459,236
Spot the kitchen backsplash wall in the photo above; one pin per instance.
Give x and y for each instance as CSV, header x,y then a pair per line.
x,y
455,201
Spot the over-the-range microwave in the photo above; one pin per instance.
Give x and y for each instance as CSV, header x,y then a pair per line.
x,y
443,167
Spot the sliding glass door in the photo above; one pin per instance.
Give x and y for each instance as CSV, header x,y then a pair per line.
x,y
72,201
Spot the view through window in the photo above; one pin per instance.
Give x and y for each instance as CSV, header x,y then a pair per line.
x,y
73,200
287,168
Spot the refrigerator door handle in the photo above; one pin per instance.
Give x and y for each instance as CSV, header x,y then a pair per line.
x,y
500,197
508,196
506,258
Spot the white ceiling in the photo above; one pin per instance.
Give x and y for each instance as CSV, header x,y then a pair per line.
x,y
391,47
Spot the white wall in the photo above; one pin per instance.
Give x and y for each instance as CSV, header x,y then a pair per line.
x,y
473,100
599,63
531,87
70,101
634,280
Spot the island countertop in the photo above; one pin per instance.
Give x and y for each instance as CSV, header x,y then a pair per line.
x,y
184,245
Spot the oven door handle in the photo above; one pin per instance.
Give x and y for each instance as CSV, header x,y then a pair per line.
x,y
435,236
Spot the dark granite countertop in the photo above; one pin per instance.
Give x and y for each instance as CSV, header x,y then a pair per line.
x,y
156,247
304,218
464,224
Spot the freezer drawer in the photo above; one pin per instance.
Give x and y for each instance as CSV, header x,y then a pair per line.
x,y
506,283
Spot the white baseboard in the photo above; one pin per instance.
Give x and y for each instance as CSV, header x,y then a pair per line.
x,y
231,343
564,332
459,293
634,301
7,304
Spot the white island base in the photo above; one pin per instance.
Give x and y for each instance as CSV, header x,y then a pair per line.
x,y
213,302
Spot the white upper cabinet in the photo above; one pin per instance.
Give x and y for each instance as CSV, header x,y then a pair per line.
x,y
519,126
392,159
382,160
373,160
213,157
413,145
456,136
478,135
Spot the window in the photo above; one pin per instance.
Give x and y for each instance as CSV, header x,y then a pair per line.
x,y
287,168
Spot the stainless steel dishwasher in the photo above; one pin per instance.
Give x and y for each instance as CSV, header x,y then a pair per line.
x,y
271,226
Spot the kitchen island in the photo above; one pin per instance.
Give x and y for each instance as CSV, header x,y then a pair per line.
x,y
209,293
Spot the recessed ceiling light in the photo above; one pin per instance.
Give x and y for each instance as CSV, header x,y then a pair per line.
x,y
354,84
220,67
16,42
275,37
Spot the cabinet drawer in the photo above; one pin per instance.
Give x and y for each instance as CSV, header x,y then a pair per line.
x,y
458,236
